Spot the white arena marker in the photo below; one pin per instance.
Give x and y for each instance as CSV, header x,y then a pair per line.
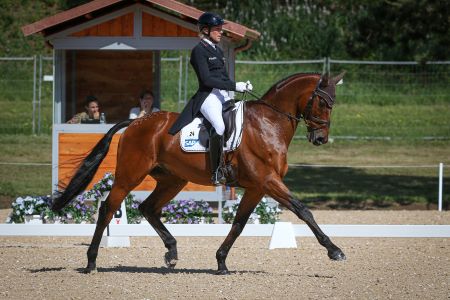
x,y
119,218
283,236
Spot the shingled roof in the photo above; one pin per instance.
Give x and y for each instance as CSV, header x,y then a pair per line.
x,y
96,8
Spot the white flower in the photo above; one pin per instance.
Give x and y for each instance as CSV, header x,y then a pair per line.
x,y
28,199
19,200
109,182
29,211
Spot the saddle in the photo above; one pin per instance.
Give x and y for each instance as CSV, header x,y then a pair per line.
x,y
195,136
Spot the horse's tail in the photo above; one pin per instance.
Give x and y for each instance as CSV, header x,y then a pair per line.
x,y
87,169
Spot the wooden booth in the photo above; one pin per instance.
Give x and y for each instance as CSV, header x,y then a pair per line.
x,y
111,49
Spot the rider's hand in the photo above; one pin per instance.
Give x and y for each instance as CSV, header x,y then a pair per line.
x,y
249,86
244,86
241,87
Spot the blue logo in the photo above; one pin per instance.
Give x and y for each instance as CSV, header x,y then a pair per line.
x,y
190,142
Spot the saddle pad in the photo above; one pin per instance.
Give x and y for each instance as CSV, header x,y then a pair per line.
x,y
190,134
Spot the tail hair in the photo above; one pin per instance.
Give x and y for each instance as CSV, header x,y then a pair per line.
x,y
86,170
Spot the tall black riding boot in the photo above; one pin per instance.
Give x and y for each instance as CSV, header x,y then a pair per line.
x,y
216,157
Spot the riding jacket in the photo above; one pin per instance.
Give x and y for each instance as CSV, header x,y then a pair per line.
x,y
209,65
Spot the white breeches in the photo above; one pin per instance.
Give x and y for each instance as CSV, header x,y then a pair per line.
x,y
211,109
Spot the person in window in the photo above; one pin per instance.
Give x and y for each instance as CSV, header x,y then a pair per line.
x,y
145,105
92,112
209,64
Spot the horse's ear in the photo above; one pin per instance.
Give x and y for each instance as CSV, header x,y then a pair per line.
x,y
338,79
325,80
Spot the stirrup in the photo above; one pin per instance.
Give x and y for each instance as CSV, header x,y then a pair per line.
x,y
218,177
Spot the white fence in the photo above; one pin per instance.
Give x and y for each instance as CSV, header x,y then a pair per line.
x,y
263,230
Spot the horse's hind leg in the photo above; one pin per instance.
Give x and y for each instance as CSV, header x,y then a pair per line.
x,y
167,187
248,203
275,188
105,214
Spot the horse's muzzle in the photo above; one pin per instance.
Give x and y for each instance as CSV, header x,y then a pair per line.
x,y
317,138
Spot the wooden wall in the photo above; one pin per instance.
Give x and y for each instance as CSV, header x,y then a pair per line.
x,y
73,147
120,26
155,26
116,78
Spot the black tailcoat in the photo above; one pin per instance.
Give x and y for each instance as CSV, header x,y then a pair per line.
x,y
209,65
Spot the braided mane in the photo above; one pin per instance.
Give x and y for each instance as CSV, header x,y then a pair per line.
x,y
281,83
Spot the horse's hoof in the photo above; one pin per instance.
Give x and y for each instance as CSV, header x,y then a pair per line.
x,y
223,272
337,255
170,261
90,270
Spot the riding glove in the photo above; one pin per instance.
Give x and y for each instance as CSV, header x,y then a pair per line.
x,y
243,86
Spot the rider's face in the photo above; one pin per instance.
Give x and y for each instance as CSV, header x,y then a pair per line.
x,y
216,33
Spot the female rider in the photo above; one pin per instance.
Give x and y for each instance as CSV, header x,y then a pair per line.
x,y
208,61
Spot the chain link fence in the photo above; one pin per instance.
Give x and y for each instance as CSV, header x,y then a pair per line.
x,y
377,100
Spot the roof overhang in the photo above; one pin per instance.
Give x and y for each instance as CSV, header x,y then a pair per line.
x,y
97,8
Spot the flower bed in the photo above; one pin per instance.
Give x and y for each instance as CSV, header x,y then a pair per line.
x,y
84,207
266,212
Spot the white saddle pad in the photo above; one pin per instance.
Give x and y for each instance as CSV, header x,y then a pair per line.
x,y
190,139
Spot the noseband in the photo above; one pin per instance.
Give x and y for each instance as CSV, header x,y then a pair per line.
x,y
307,115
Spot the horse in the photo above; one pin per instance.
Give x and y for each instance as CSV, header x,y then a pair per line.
x,y
146,148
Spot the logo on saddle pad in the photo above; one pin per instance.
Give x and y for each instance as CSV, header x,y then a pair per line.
x,y
194,137
188,143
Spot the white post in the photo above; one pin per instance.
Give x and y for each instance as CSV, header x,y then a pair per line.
x,y
441,182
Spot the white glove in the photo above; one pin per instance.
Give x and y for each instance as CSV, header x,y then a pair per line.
x,y
243,86
249,86
240,86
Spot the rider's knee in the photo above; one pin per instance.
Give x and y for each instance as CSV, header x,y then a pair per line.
x,y
220,128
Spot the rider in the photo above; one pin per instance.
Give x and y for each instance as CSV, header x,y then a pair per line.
x,y
208,61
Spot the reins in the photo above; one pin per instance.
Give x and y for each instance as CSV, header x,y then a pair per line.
x,y
306,116
259,98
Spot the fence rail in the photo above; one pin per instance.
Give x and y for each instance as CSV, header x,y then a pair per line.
x,y
372,87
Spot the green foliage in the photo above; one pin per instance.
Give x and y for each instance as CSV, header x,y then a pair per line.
x,y
371,30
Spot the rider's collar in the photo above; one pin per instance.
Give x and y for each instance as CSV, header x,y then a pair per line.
x,y
209,42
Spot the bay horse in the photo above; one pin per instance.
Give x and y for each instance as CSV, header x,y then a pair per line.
x,y
260,162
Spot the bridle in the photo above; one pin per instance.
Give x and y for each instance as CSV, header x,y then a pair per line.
x,y
307,116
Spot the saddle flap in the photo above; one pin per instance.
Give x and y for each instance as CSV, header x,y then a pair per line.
x,y
194,136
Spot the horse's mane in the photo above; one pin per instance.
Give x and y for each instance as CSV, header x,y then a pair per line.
x,y
283,82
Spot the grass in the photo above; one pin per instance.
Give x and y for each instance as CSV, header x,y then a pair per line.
x,y
21,180
355,181
341,186
404,103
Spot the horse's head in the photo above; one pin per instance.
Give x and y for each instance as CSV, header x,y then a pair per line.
x,y
317,111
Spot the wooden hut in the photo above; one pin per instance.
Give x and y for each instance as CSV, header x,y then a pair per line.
x,y
111,49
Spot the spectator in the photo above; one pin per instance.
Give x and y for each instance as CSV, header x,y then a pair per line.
x,y
92,112
146,105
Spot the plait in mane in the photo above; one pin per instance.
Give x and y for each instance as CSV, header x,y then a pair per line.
x,y
285,81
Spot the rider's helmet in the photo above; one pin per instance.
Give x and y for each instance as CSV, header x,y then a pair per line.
x,y
208,20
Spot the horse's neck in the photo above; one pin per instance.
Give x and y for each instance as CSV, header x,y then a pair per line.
x,y
286,100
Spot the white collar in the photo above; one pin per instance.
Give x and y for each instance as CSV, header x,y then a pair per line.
x,y
209,42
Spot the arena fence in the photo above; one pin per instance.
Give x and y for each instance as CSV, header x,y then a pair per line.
x,y
264,230
26,92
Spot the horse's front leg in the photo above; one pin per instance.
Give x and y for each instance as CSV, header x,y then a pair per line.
x,y
248,203
165,190
277,190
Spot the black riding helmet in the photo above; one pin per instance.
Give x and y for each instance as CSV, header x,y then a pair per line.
x,y
208,20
